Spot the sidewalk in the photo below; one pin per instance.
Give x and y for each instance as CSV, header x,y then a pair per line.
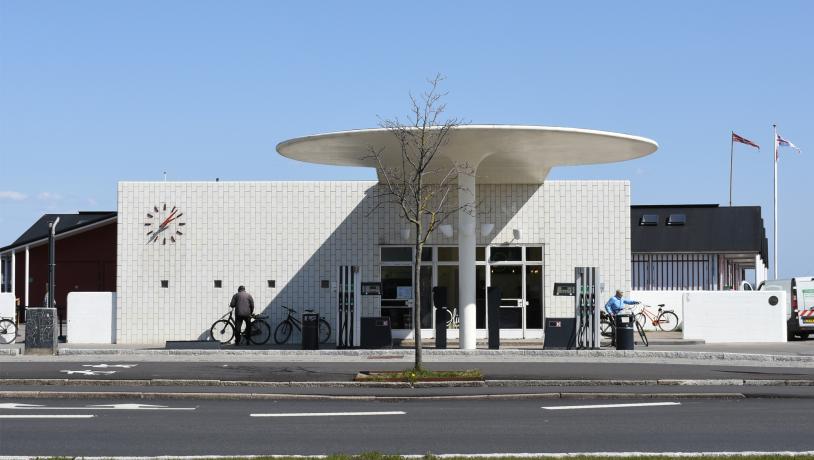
x,y
665,347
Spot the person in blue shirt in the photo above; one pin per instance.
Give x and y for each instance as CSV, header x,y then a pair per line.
x,y
616,303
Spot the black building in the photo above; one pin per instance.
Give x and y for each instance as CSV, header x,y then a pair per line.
x,y
696,247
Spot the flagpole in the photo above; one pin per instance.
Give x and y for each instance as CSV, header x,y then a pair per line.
x,y
774,131
731,161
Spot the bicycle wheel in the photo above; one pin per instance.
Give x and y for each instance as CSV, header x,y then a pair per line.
x,y
324,331
668,321
605,328
641,319
222,331
8,331
282,332
261,332
642,335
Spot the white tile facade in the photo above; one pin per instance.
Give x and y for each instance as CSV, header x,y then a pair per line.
x,y
298,233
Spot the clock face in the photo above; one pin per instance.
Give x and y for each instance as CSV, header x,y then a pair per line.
x,y
163,225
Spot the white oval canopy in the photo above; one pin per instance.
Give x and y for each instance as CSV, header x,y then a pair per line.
x,y
501,154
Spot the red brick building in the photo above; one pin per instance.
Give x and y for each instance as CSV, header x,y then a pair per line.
x,y
85,258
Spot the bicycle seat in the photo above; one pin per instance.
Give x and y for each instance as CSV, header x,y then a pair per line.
x,y
260,316
661,305
309,310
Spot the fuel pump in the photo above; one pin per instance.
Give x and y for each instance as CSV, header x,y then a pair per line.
x,y
586,311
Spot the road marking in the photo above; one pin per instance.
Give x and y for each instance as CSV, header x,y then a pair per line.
x,y
2,416
88,372
93,407
328,414
123,366
604,406
137,407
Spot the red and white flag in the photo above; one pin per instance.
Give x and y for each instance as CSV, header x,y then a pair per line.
x,y
743,140
784,143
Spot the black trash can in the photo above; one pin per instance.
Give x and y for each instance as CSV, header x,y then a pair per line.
x,y
624,332
310,331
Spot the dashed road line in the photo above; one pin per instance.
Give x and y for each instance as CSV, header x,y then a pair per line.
x,y
608,406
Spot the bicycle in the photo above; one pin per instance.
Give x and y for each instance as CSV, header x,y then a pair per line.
x,y
8,331
283,331
607,329
665,320
223,330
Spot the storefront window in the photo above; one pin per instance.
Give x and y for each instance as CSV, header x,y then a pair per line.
x,y
534,254
448,254
516,270
503,254
397,289
397,254
480,254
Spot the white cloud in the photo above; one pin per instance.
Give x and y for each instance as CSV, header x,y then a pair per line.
x,y
13,196
49,196
92,201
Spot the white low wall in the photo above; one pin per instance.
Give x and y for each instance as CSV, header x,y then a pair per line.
x,y
734,316
7,307
672,300
91,317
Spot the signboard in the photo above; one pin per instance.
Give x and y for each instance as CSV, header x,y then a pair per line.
x,y
371,288
404,292
566,289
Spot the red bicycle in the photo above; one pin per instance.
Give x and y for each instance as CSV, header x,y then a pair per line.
x,y
663,319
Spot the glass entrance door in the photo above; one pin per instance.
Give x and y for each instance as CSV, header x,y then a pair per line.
x,y
509,278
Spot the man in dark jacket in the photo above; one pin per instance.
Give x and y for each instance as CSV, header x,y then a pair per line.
x,y
243,303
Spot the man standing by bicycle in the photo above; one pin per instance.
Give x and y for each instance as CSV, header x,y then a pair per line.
x,y
243,303
616,304
613,307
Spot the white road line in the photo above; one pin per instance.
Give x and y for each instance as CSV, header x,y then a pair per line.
x,y
2,416
605,406
16,406
327,414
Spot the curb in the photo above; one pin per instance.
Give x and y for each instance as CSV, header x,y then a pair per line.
x,y
403,385
449,353
299,397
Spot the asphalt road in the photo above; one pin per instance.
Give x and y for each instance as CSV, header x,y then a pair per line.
x,y
227,427
345,371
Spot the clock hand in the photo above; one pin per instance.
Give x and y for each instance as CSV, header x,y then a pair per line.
x,y
168,219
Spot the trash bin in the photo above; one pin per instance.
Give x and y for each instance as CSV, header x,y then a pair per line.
x,y
376,332
310,331
624,332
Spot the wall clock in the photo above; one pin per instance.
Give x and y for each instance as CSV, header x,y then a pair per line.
x,y
163,225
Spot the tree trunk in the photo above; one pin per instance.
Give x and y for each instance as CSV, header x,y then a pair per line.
x,y
417,298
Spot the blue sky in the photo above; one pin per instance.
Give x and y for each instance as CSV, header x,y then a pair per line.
x,y
93,92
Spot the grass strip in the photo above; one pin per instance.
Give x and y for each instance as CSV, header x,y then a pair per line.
x,y
424,375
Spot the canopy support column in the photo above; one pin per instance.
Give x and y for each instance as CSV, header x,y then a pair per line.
x,y
466,260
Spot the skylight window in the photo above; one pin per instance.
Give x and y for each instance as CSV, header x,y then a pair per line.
x,y
677,219
649,220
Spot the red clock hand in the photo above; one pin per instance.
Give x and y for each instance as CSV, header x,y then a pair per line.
x,y
168,219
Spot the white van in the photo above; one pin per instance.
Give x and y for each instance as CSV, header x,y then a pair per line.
x,y
799,303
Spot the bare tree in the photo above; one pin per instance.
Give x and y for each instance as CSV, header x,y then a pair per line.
x,y
420,182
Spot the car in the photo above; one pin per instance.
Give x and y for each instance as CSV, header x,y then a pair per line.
x,y
799,303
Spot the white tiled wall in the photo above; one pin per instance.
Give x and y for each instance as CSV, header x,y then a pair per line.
x,y
298,233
